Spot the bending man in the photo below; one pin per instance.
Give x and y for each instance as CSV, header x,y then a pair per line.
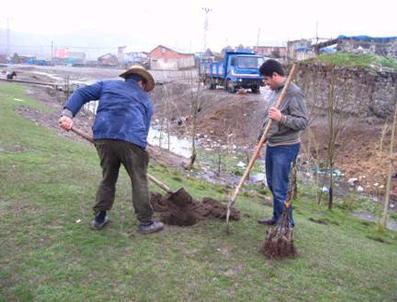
x,y
120,131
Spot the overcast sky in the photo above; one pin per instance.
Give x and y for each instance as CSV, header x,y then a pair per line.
x,y
142,25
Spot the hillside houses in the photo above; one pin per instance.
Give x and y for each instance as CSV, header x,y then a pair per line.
x,y
271,51
165,58
67,57
307,48
109,60
129,57
383,46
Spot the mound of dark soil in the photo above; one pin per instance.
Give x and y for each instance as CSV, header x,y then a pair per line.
x,y
187,211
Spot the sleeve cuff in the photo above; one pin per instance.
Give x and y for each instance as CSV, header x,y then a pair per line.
x,y
283,119
67,112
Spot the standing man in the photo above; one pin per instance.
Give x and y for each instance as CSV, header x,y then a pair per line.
x,y
120,131
284,141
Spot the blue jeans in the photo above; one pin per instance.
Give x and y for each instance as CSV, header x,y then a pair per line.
x,y
279,161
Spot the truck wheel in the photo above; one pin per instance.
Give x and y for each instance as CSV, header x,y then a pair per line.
x,y
255,89
230,87
211,85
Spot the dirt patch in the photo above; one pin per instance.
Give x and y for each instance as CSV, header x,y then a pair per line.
x,y
359,152
187,211
222,117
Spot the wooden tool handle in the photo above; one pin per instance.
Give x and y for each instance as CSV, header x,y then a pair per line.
x,y
159,183
82,134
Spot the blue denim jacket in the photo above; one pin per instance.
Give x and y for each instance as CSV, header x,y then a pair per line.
x,y
124,110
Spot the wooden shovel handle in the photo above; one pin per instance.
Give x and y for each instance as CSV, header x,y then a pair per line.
x,y
82,134
159,183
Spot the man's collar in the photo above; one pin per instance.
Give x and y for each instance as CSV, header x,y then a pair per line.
x,y
134,82
278,89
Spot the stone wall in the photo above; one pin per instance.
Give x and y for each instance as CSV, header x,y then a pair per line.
x,y
387,49
357,91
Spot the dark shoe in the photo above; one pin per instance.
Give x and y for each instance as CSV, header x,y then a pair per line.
x,y
152,227
267,221
100,220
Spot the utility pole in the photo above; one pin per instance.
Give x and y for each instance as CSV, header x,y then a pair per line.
x,y
8,37
52,51
206,10
257,37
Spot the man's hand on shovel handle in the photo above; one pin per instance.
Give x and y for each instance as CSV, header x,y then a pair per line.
x,y
275,114
65,123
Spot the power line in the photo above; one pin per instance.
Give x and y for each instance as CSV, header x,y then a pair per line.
x,y
8,37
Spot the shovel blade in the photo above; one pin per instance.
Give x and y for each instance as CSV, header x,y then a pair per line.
x,y
181,198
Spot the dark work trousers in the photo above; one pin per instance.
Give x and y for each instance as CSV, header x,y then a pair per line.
x,y
279,161
112,154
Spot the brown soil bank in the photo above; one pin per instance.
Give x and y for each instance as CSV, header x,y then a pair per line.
x,y
187,212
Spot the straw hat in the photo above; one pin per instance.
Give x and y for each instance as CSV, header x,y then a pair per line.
x,y
139,70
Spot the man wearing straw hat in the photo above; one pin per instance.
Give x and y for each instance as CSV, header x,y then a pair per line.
x,y
120,133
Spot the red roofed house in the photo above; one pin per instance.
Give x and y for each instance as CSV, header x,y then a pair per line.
x,y
165,58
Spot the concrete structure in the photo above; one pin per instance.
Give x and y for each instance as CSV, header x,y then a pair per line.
x,y
299,50
108,60
128,57
279,52
382,46
165,58
357,91
3,58
77,58
67,57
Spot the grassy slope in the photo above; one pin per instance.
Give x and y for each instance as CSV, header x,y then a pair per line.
x,y
358,60
48,182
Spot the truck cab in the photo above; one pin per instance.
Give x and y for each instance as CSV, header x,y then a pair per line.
x,y
239,69
243,72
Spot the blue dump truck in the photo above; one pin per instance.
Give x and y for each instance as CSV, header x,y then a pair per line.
x,y
239,69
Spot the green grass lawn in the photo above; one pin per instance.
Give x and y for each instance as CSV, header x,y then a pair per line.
x,y
49,253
